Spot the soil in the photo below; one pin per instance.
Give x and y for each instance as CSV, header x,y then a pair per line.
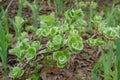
x,y
79,67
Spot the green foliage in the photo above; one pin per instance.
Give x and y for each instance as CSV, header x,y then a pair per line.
x,y
25,49
56,43
35,10
48,61
20,8
97,42
72,16
30,29
61,57
109,32
75,44
48,20
97,18
17,24
118,58
16,72
5,23
93,5
66,36
105,65
59,7
36,45
3,48
30,53
82,4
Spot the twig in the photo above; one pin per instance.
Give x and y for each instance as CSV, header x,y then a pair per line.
x,y
90,37
42,52
99,50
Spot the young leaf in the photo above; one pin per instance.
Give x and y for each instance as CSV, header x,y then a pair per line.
x,y
30,53
93,5
57,40
50,46
97,19
59,65
48,19
97,42
110,33
20,55
61,57
75,44
82,4
16,72
36,45
18,22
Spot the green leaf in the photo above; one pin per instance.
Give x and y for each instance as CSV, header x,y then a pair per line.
x,y
69,14
57,40
23,44
15,50
45,31
30,53
93,5
53,31
61,57
23,36
3,48
39,32
20,55
50,46
18,22
118,57
75,44
36,45
9,36
97,19
61,65
56,55
79,14
59,7
110,33
82,4
30,29
66,53
55,44
91,42
99,42
16,72
48,19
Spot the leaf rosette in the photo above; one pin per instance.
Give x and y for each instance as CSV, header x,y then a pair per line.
x,y
61,57
75,44
16,72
